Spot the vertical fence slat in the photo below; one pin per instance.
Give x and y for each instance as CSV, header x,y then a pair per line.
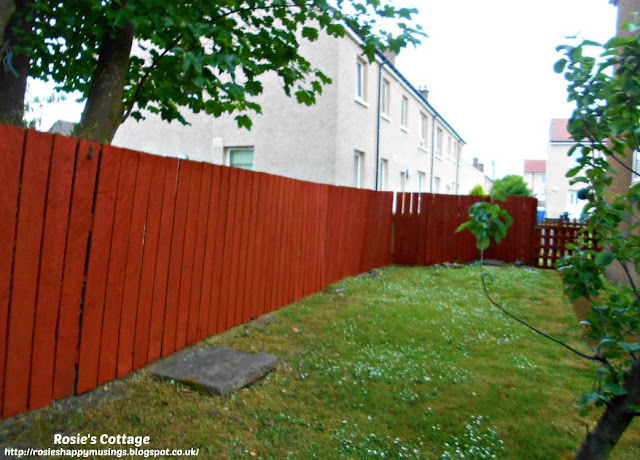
x,y
133,268
175,261
195,312
11,150
80,225
149,262
98,269
216,316
37,152
117,266
51,267
163,258
213,228
186,274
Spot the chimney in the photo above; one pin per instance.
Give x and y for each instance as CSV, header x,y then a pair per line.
x,y
391,56
475,162
424,92
481,167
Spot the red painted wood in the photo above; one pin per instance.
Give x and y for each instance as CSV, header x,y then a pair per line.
x,y
11,150
186,275
51,267
92,314
157,166
256,299
196,313
244,210
213,230
117,266
176,259
133,269
252,260
225,309
80,225
163,258
267,230
216,317
37,153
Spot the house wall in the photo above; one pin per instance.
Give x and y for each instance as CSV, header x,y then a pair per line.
x,y
470,176
558,190
319,143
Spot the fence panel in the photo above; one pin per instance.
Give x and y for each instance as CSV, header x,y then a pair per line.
x,y
51,267
551,241
110,259
31,209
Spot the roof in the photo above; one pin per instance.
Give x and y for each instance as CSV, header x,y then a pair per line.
x,y
535,166
62,127
558,131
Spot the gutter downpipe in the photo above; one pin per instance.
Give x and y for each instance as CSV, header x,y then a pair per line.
x,y
380,66
433,145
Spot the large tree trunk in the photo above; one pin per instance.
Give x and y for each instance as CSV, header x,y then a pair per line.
x,y
103,113
13,77
615,420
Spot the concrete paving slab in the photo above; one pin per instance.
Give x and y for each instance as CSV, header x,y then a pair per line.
x,y
214,370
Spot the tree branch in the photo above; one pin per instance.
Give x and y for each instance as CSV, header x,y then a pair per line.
x,y
175,42
533,328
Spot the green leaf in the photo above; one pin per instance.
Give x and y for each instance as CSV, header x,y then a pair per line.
x,y
605,258
614,389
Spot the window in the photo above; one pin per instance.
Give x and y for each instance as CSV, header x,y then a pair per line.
x,y
422,178
403,181
449,151
436,185
240,157
404,112
382,174
361,80
357,169
438,142
543,178
385,95
573,197
422,130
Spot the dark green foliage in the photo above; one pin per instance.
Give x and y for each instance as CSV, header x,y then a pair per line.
x,y
511,185
477,191
487,222
207,56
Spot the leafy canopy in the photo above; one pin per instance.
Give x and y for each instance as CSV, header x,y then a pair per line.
x,y
206,55
510,185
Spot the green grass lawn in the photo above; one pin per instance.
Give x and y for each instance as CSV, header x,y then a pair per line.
x,y
397,363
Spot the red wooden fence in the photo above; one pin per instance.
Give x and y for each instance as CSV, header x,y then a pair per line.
x,y
551,241
111,259
425,225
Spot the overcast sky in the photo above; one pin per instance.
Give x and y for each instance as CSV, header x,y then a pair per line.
x,y
489,69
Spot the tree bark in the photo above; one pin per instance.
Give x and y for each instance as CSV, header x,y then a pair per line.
x,y
615,420
13,74
103,112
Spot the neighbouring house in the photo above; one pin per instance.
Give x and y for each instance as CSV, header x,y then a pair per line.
x,y
471,175
369,129
562,198
535,175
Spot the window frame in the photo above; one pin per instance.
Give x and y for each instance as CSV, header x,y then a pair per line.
x,y
228,156
358,169
422,131
404,113
361,80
